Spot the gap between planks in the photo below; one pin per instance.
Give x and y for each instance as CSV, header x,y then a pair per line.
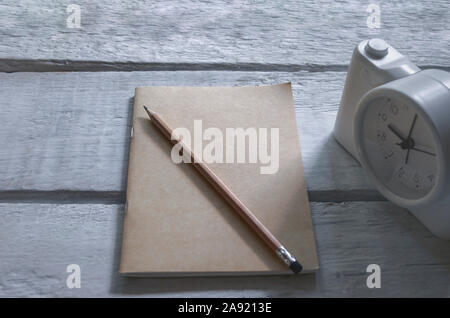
x,y
26,65
118,197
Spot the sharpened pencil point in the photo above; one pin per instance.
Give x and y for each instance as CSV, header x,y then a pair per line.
x,y
149,112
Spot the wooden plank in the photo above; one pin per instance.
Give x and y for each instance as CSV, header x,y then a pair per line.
x,y
65,132
40,240
187,35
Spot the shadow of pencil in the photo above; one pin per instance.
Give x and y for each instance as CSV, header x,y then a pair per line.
x,y
210,194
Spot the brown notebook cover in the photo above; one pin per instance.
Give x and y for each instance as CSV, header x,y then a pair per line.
x,y
177,224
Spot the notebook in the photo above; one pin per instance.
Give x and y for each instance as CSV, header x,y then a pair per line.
x,y
176,224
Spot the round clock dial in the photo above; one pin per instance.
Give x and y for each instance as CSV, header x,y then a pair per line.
x,y
399,147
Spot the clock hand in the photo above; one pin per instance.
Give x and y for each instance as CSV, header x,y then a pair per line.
x,y
407,156
409,138
416,149
396,132
427,152
412,126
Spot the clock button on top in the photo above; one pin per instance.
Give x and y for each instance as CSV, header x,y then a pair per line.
x,y
377,48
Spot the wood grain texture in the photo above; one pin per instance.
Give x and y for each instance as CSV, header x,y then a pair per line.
x,y
42,239
63,132
246,34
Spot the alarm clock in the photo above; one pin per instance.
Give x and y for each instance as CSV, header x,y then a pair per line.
x,y
394,118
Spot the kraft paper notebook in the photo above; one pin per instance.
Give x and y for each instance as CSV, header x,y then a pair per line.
x,y
176,224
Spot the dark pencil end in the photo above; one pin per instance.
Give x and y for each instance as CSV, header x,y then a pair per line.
x,y
149,112
296,267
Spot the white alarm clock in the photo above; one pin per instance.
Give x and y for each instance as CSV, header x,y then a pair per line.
x,y
395,119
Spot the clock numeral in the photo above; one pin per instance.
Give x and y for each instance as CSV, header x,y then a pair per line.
x,y
381,136
389,154
394,109
383,116
401,172
416,178
431,177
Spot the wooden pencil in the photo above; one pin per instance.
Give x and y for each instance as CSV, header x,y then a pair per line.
x,y
240,208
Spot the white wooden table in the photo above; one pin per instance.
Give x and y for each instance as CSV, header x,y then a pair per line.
x,y
65,112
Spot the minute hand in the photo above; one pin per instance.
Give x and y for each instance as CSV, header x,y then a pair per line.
x,y
412,126
409,137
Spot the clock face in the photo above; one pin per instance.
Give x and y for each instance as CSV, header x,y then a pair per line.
x,y
399,147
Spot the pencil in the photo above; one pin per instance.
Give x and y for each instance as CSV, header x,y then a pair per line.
x,y
269,239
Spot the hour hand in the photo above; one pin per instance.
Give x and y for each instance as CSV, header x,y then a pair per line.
x,y
396,132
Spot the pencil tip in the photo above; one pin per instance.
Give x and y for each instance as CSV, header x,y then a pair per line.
x,y
149,112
